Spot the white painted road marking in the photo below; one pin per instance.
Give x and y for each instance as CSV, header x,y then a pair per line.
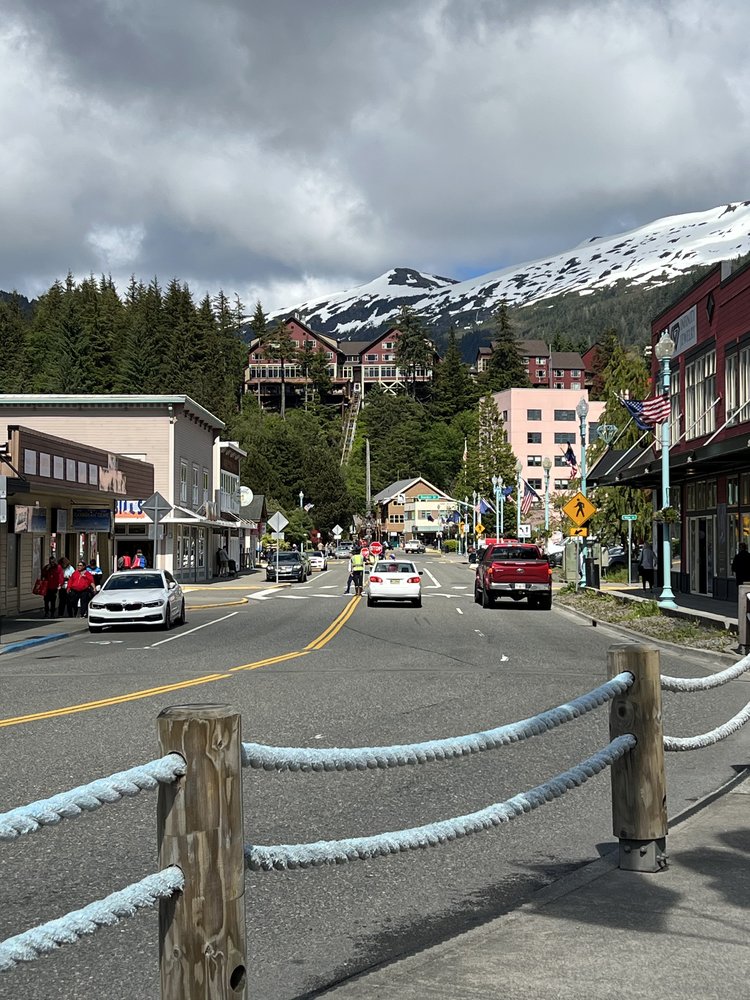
x,y
262,595
181,635
479,633
459,586
434,581
459,611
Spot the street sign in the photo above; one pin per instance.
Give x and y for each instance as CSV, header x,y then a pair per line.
x,y
156,507
525,531
579,509
277,522
278,535
3,511
480,529
629,517
376,548
337,531
578,532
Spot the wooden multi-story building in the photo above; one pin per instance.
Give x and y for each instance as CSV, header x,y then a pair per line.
x,y
546,369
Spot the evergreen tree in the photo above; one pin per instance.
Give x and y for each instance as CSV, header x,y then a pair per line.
x,y
506,368
413,352
76,364
488,455
13,332
136,358
44,344
452,388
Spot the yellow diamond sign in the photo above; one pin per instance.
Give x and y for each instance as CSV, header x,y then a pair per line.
x,y
579,509
480,529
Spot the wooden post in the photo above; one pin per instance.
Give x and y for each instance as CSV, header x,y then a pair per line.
x,y
743,616
200,828
639,788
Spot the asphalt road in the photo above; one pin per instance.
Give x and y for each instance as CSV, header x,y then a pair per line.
x,y
87,706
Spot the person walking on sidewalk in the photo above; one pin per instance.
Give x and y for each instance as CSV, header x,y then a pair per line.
x,y
646,567
52,574
67,570
80,589
741,565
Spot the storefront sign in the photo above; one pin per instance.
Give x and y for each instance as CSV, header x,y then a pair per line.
x,y
30,519
92,519
684,331
129,510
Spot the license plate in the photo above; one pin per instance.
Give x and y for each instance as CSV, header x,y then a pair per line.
x,y
394,583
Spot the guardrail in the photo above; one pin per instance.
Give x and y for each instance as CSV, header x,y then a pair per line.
x,y
200,884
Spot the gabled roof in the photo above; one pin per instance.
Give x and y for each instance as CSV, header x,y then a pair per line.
x,y
533,348
256,510
403,484
566,359
79,401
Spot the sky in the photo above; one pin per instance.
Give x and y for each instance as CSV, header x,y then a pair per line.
x,y
284,149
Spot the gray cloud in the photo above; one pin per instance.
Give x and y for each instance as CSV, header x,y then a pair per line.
x,y
291,148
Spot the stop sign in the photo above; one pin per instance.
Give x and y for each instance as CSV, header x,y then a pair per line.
x,y
376,548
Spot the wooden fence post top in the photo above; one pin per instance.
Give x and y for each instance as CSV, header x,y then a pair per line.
x,y
198,711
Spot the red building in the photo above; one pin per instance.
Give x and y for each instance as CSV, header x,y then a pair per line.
x,y
709,432
546,369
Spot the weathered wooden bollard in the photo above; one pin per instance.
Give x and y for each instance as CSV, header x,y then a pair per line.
x,y
200,828
639,786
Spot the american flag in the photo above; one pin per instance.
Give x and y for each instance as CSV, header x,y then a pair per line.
x,y
572,461
648,412
530,496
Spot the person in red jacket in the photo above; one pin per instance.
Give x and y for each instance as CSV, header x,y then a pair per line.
x,y
52,574
80,589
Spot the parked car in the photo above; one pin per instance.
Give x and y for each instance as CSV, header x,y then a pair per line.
x,y
514,570
291,567
318,560
394,580
414,545
555,554
141,597
617,557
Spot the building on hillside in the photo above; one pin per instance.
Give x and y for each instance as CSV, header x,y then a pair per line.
x,y
179,438
62,497
709,459
354,366
411,508
541,423
545,369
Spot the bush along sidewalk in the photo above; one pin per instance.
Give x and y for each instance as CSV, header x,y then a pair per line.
x,y
645,618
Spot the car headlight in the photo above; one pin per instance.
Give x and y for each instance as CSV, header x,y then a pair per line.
x,y
154,604
97,607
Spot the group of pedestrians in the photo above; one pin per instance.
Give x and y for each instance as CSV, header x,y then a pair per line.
x,y
67,589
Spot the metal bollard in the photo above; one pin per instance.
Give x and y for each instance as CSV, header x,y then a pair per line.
x,y
202,929
743,615
639,785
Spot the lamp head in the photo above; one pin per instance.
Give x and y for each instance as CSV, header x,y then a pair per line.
x,y
546,463
665,347
583,408
519,467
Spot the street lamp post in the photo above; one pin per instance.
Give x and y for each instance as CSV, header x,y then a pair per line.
x,y
664,351
301,497
519,470
497,485
582,409
546,465
466,525
474,517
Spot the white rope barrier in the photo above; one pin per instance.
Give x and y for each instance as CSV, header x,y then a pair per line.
x,y
688,684
708,739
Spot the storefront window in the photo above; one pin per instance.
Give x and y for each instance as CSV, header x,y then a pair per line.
x,y
733,492
201,548
745,490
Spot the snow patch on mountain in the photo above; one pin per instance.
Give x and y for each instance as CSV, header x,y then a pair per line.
x,y
651,254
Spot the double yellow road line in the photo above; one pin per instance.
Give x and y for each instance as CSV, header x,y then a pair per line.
x,y
89,706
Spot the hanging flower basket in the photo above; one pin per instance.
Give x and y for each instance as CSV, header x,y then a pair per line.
x,y
668,515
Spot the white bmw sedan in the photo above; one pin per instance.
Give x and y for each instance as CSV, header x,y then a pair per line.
x,y
138,597
395,580
318,560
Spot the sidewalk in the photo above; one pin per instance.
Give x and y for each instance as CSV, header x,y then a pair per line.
x,y
605,934
720,613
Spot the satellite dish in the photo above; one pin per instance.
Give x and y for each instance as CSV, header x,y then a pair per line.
x,y
246,496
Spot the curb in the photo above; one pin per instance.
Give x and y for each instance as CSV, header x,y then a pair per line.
x,y
39,640
629,632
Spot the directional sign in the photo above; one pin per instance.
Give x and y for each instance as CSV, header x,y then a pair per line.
x,y
278,535
480,529
579,509
277,522
629,517
578,532
525,531
337,531
156,507
376,548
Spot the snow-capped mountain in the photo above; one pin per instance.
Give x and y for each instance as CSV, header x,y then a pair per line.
x,y
650,255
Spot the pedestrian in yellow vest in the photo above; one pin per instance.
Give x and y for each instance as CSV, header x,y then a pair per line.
x,y
358,570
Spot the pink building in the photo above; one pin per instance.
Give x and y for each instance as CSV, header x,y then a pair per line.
x,y
540,424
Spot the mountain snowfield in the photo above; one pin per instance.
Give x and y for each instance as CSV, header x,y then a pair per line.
x,y
651,254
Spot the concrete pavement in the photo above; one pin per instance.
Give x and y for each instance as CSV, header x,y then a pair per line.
x,y
606,934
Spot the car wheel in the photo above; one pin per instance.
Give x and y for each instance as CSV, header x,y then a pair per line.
x,y
417,602
167,619
487,599
95,629
370,602
183,617
477,595
545,602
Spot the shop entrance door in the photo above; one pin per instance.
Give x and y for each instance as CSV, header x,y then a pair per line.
x,y
702,542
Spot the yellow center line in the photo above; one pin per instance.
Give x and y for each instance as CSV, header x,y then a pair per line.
x,y
88,706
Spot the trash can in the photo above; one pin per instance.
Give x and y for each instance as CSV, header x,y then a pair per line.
x,y
592,572
232,571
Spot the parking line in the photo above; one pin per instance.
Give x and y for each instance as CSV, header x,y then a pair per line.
x,y
181,635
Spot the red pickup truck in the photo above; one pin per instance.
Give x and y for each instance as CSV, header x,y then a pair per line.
x,y
515,570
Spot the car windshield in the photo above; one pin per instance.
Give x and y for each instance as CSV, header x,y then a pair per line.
x,y
395,567
513,552
289,557
135,581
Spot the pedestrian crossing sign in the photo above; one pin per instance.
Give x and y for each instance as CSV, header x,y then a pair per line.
x,y
480,529
579,509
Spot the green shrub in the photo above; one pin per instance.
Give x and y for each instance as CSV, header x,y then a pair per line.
x,y
450,545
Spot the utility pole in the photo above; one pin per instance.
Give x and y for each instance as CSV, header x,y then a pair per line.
x,y
368,487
